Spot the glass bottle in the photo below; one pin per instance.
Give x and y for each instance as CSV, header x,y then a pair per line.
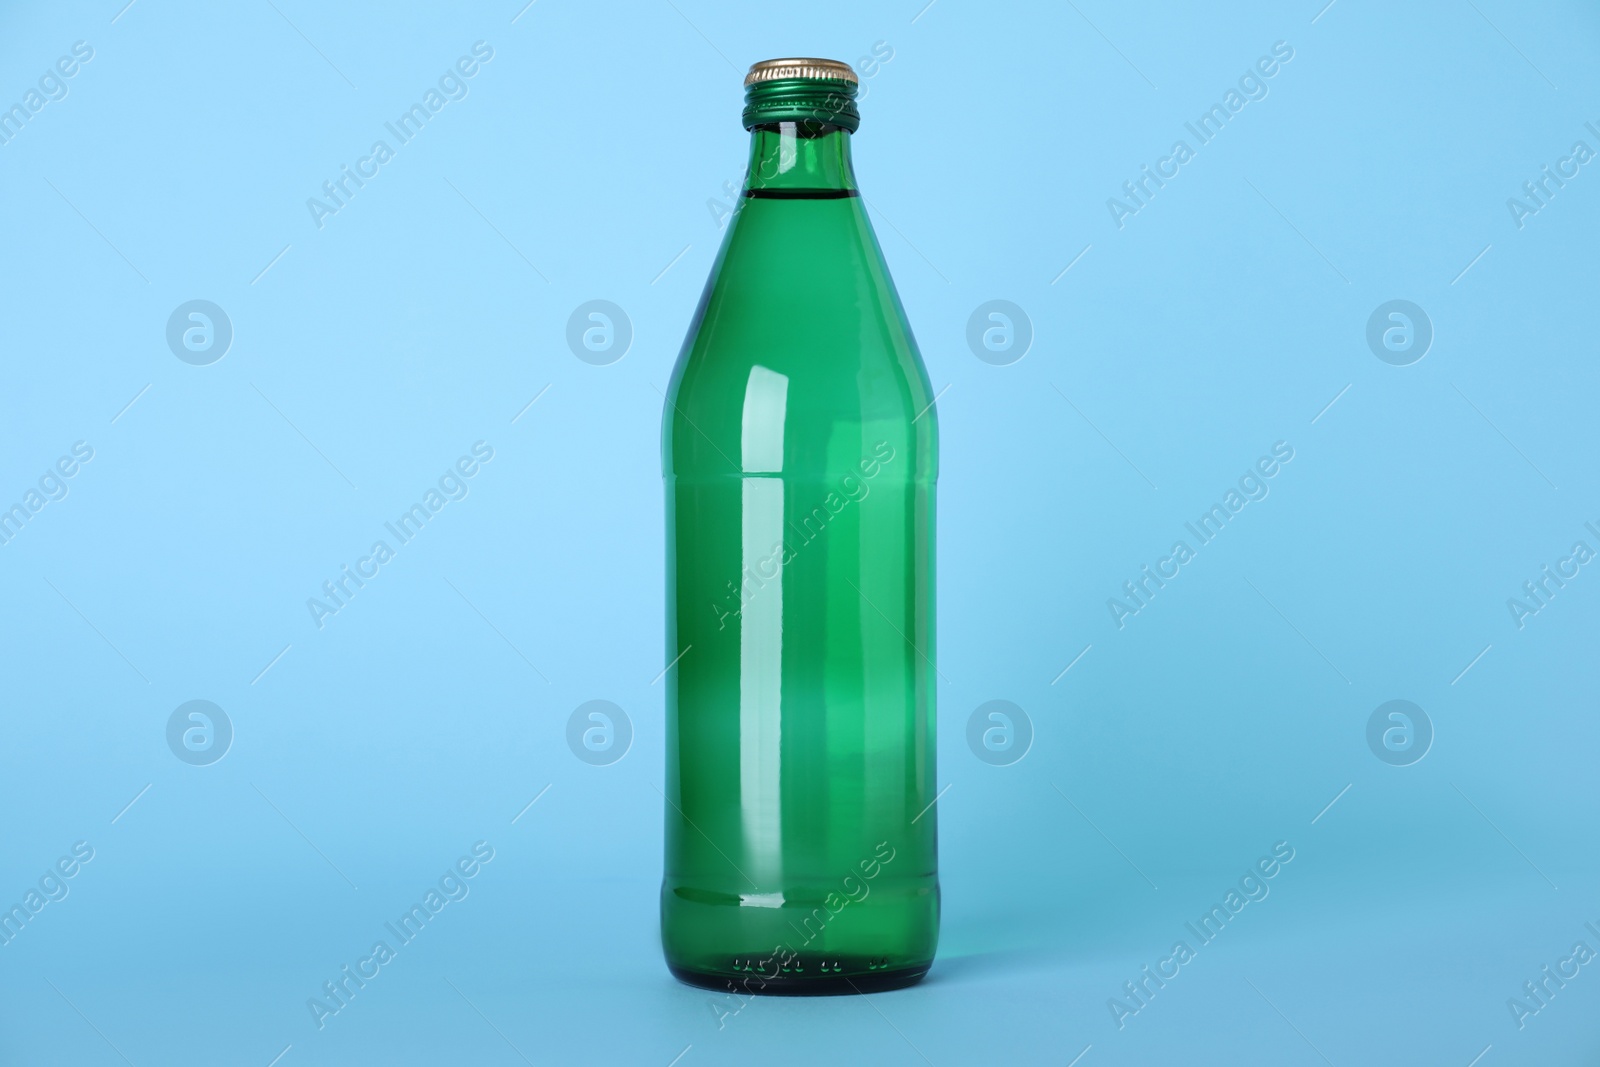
x,y
800,450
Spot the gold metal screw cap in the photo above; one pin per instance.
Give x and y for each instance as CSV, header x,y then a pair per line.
x,y
773,69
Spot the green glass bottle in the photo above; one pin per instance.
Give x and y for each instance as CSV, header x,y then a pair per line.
x,y
800,450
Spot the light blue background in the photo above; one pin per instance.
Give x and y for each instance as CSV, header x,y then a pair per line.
x,y
423,317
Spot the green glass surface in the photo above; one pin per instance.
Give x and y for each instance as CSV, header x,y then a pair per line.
x,y
800,451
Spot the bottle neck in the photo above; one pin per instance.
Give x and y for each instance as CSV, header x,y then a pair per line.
x,y
799,160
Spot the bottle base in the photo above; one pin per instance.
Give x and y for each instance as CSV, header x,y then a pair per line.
x,y
803,986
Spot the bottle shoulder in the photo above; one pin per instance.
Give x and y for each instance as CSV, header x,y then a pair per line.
x,y
799,323
800,288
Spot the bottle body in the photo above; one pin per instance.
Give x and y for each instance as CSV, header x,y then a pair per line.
x,y
800,458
